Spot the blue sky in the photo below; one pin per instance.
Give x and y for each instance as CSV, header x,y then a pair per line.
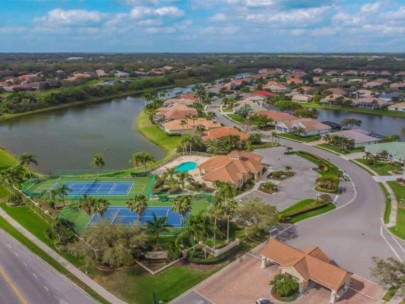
x,y
202,26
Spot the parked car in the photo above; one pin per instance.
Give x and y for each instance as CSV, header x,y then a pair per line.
x,y
263,301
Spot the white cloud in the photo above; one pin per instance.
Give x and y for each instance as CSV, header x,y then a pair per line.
x,y
12,29
219,30
70,18
370,7
170,11
140,12
219,17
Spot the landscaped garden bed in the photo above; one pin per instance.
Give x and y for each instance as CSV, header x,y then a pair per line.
x,y
306,208
268,187
280,175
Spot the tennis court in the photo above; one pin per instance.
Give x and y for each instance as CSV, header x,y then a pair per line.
x,y
96,188
122,215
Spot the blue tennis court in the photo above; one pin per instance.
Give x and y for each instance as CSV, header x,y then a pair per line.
x,y
122,215
97,188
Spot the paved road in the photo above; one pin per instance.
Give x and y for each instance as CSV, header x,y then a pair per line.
x,y
24,278
353,234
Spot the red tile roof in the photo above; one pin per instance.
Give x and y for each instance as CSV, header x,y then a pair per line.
x,y
263,93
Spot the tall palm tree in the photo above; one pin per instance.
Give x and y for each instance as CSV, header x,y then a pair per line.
x,y
185,141
226,193
141,158
86,204
211,115
26,159
157,226
12,175
194,140
216,211
97,162
169,174
229,210
138,204
101,206
184,177
182,205
217,146
369,158
63,190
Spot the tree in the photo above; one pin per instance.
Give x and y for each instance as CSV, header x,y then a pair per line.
x,y
390,272
300,131
101,206
369,158
86,204
244,110
157,226
97,162
218,146
138,204
198,227
350,122
12,175
328,182
141,158
225,194
15,199
26,159
200,93
63,190
211,115
216,211
183,178
284,284
392,138
256,216
182,205
259,120
109,244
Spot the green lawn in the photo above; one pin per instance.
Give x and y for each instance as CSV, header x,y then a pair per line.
x,y
306,204
6,159
380,168
331,168
356,110
152,132
236,117
387,209
338,151
136,286
299,138
399,192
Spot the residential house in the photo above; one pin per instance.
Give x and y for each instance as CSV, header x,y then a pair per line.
x,y
367,73
261,93
120,74
294,80
255,102
275,87
392,96
276,116
310,266
333,99
400,74
337,79
350,73
331,73
359,136
363,93
398,85
181,126
176,111
370,102
236,168
216,133
318,71
395,150
373,84
77,76
397,107
301,98
308,126
384,73
182,101
337,91
101,73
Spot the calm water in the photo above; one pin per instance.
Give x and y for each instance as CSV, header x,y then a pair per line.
x,y
68,138
384,125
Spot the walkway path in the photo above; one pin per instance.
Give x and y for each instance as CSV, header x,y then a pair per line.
x,y
70,267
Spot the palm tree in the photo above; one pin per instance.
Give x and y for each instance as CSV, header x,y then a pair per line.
x,y
217,146
97,162
101,206
182,205
369,157
216,211
226,193
28,159
194,140
211,115
299,131
185,141
138,204
12,175
230,207
86,204
284,285
63,190
157,226
141,158
184,177
169,174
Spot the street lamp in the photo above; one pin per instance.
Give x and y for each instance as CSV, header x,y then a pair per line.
x,y
317,197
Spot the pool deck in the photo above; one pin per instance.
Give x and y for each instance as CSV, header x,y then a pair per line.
x,y
182,159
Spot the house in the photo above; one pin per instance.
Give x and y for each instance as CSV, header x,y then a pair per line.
x,y
359,136
350,73
397,107
395,150
277,116
331,73
294,80
373,84
301,98
308,126
363,93
398,85
338,91
101,73
120,74
333,99
182,101
216,133
176,111
318,71
181,126
255,102
309,266
275,87
384,73
337,79
400,74
236,168
392,96
265,94
370,102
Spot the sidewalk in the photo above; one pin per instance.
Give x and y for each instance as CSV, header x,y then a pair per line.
x,y
70,267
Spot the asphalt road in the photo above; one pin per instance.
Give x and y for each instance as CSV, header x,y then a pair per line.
x,y
352,234
24,278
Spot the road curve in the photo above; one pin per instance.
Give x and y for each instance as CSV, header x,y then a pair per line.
x,y
24,278
350,235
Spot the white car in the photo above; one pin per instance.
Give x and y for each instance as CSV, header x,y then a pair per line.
x,y
263,301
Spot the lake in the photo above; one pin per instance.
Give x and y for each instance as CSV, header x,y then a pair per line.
x,y
68,138
384,125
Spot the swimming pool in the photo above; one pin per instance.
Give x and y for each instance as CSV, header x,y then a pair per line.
x,y
186,166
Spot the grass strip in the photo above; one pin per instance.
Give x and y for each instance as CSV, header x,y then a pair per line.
x,y
4,225
387,209
331,168
305,209
299,138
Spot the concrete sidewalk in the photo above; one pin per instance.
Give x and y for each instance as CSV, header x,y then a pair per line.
x,y
70,267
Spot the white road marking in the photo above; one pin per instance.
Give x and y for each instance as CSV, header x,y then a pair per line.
x,y
389,245
16,254
25,264
46,288
8,245
34,275
396,241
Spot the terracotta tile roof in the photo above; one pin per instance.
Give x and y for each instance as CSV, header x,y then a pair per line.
x,y
177,111
189,96
311,263
277,116
308,124
224,131
177,125
263,93
232,167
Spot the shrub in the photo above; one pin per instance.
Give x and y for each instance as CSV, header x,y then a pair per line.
x,y
15,200
284,285
268,187
327,198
